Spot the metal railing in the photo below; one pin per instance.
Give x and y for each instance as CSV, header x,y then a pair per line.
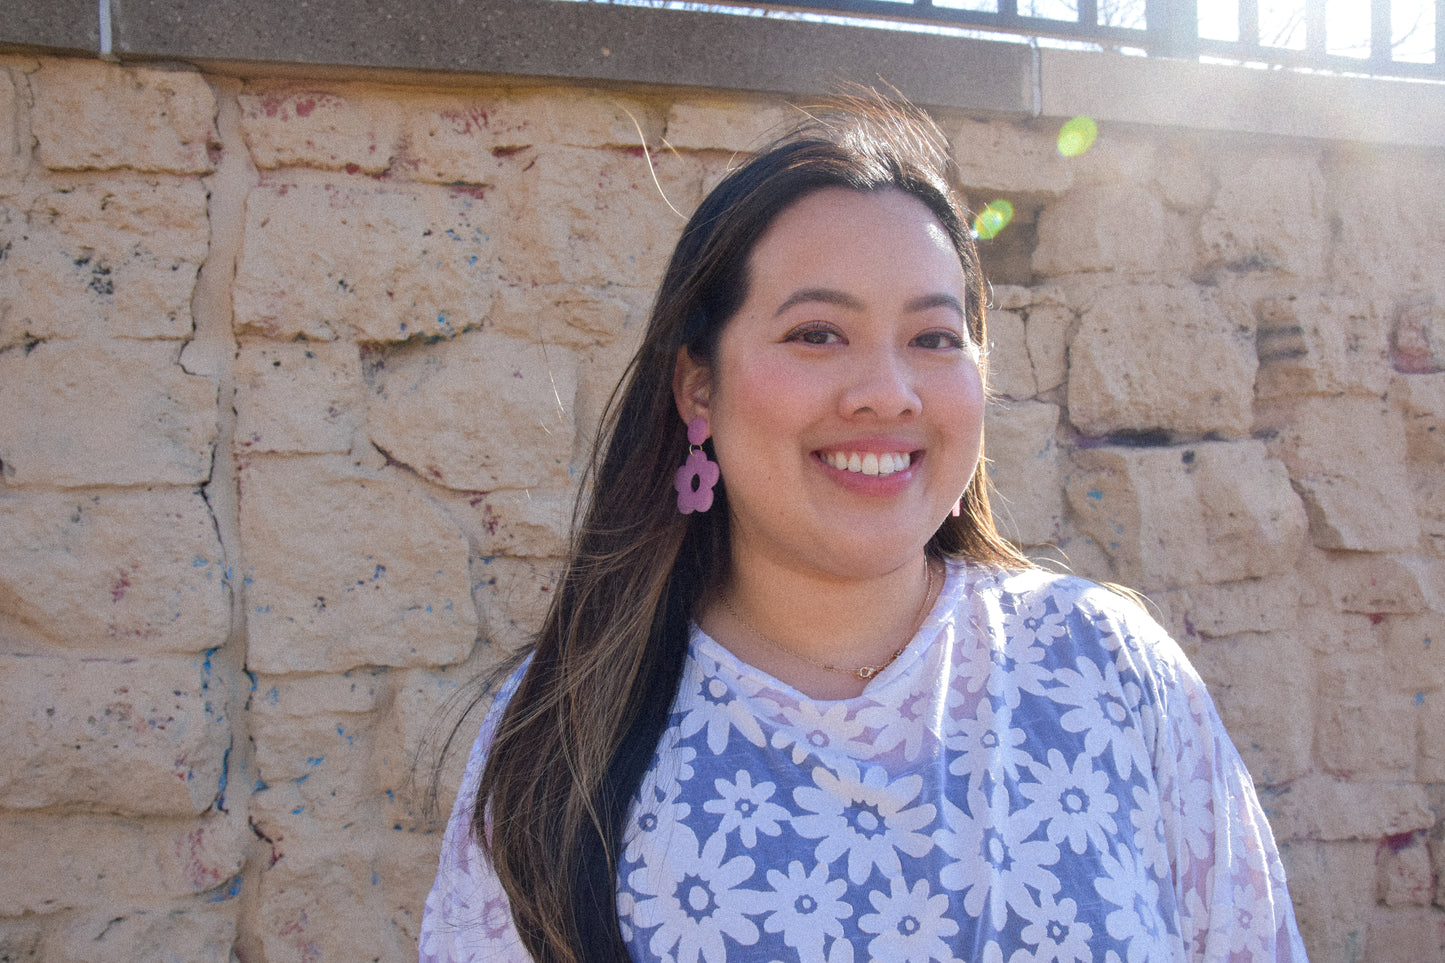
x,y
1402,38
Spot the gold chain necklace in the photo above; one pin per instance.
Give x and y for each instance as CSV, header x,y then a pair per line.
x,y
864,672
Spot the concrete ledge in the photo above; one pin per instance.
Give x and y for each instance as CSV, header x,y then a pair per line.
x,y
1176,93
61,25
581,41
605,44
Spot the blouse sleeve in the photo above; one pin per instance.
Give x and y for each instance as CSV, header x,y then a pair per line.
x,y
467,918
1229,882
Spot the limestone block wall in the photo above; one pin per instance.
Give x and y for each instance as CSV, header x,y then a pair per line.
x,y
297,375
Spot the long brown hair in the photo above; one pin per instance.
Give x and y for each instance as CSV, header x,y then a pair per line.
x,y
577,737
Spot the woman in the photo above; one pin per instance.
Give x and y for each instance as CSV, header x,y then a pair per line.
x,y
822,711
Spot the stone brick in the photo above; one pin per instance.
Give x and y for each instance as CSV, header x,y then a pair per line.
x,y
1415,646
1366,719
461,138
598,373
1024,469
532,522
1436,839
512,595
1168,336
1390,204
1327,631
89,114
345,569
145,422
1268,213
1047,334
479,412
131,573
594,217
728,125
423,744
1010,372
1181,174
408,857
1332,888
298,396
1010,157
1013,297
567,314
354,692
117,259
326,261
1403,875
1406,933
1320,344
1263,686
303,817
329,887
331,911
308,725
1323,808
1422,402
1114,227
1212,512
22,940
1422,398
13,159
1375,584
51,862
1346,458
1230,608
187,934
114,735
350,128
1417,337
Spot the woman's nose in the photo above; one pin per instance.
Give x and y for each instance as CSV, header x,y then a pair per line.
x,y
881,383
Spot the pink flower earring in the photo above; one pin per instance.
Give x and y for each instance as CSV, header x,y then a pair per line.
x,y
697,476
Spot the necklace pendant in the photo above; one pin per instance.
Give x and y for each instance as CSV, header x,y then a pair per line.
x,y
866,672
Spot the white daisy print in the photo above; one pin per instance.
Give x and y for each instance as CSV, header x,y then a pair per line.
x,y
824,727
869,818
746,808
990,745
718,710
1074,801
1033,619
915,724
809,908
994,862
1101,713
1055,935
911,925
1138,921
694,903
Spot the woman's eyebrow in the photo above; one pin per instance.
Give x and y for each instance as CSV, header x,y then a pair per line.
x,y
929,301
844,300
824,295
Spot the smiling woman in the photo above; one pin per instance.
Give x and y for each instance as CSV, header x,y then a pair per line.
x,y
829,714
846,406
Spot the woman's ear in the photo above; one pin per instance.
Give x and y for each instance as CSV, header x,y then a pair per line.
x,y
691,386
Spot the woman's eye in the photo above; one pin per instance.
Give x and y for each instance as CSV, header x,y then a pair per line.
x,y
939,339
815,336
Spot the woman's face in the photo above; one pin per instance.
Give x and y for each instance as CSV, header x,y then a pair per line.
x,y
845,399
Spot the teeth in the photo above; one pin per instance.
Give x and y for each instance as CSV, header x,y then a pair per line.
x,y
869,463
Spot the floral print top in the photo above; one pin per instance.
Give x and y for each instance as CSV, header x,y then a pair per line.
x,y
1040,776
